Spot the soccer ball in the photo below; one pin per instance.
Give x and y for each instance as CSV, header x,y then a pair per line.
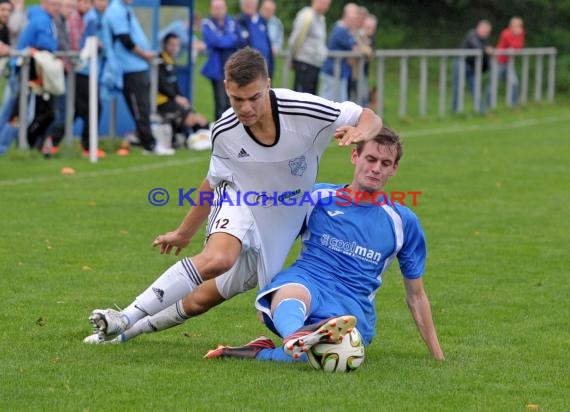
x,y
338,357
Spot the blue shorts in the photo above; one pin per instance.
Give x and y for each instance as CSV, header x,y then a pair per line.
x,y
327,298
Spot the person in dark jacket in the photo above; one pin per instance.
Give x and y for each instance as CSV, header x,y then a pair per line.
x,y
171,103
477,38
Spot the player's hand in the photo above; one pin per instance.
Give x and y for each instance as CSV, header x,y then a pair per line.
x,y
347,135
169,241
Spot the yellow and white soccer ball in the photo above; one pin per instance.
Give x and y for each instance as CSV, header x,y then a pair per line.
x,y
346,356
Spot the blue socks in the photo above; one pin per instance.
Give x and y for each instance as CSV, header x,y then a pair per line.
x,y
289,316
278,355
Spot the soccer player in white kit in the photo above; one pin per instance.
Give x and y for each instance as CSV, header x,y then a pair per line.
x,y
265,152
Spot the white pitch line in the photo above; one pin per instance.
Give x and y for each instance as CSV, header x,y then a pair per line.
x,y
97,173
477,128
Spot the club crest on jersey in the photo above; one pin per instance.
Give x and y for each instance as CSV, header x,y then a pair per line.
x,y
298,166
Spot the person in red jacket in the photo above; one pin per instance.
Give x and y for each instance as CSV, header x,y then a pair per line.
x,y
511,38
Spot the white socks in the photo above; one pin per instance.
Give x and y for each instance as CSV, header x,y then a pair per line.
x,y
171,316
174,284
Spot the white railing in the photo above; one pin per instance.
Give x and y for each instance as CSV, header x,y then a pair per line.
x,y
380,59
444,56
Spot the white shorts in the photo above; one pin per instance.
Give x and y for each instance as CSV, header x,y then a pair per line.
x,y
241,277
227,216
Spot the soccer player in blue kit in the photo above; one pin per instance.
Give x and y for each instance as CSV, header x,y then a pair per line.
x,y
347,246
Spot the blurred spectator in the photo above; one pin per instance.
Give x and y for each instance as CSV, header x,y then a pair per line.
x,y
511,38
128,52
182,30
477,38
308,45
253,31
56,129
171,104
370,29
274,25
5,49
220,33
5,11
92,28
76,23
358,82
18,21
40,34
340,39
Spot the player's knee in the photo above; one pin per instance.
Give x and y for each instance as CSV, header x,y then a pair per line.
x,y
218,262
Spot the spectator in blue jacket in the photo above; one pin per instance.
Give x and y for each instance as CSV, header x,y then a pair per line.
x,y
220,33
340,39
253,31
128,51
39,33
275,28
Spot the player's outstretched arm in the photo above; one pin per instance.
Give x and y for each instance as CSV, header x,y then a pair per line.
x,y
180,238
369,125
421,312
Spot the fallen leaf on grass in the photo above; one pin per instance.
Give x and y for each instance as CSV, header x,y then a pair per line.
x,y
67,171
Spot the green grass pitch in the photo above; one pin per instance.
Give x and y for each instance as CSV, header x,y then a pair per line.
x,y
495,211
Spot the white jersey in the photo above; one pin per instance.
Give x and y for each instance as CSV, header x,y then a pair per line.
x,y
277,174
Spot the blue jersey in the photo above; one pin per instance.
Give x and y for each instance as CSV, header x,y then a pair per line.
x,y
340,39
119,19
255,35
40,32
346,249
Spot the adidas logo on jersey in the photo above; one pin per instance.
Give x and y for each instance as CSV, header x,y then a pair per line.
x,y
243,153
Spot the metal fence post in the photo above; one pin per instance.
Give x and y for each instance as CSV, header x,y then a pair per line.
x,y
70,106
442,84
287,61
524,79
538,79
509,89
461,85
403,85
494,81
423,85
551,76
23,103
477,96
